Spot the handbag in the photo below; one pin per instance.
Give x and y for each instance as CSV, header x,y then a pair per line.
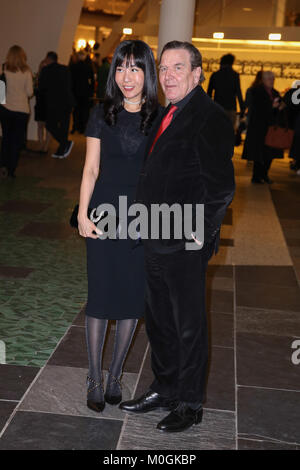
x,y
73,218
2,87
279,137
90,213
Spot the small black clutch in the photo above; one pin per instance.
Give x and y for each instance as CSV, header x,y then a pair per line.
x,y
74,220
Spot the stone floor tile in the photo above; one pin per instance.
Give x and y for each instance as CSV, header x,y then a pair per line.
x,y
267,297
216,431
250,444
14,272
6,409
269,415
63,390
23,206
266,361
267,322
46,431
15,380
275,275
220,391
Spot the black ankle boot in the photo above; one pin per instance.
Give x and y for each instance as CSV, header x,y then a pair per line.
x,y
113,397
93,405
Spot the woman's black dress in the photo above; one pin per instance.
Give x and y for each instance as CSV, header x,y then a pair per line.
x,y
115,268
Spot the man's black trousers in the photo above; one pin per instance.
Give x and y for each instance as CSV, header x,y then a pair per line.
x,y
176,322
58,126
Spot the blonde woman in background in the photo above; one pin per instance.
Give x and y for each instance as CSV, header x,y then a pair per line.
x,y
14,114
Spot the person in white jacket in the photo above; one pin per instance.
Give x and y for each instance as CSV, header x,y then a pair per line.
x,y
14,113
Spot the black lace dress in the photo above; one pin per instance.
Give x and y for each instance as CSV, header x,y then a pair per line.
x,y
115,268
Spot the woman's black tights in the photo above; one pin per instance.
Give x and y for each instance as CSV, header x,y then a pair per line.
x,y
95,336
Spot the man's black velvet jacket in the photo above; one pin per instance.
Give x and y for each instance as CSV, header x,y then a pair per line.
x,y
191,164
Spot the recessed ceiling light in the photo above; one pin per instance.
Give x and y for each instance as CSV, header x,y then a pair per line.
x,y
247,9
218,35
274,37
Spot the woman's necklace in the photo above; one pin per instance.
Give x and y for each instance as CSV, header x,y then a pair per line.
x,y
132,102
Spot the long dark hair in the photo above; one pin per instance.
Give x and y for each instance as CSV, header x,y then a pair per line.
x,y
113,100
258,79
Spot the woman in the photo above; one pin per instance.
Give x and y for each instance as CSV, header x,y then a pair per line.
x,y
257,82
115,268
15,113
263,103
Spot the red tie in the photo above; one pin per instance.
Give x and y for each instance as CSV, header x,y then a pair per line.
x,y
164,124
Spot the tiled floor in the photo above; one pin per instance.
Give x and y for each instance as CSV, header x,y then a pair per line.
x,y
253,302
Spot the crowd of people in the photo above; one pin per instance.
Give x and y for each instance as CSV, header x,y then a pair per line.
x,y
59,91
62,91
263,109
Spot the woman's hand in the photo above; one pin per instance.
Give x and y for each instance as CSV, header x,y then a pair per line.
x,y
86,228
276,102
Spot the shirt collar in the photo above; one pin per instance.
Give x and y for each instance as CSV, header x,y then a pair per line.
x,y
181,104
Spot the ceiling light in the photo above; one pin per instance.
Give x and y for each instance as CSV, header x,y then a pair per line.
x,y
274,37
218,35
81,43
127,30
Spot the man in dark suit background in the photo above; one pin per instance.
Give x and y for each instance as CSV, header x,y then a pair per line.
x,y
188,161
55,85
83,89
225,84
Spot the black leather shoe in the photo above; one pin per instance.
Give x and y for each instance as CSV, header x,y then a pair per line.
x,y
148,402
268,180
257,181
93,405
180,419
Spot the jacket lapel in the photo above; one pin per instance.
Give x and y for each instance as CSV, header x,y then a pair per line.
x,y
197,105
154,131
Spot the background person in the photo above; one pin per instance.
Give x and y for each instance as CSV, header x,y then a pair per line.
x,y
55,84
225,85
83,90
262,112
102,76
116,138
15,113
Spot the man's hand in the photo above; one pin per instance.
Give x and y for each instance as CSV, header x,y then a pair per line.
x,y
197,241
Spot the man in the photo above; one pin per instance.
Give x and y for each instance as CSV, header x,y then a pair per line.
x,y
55,84
102,76
83,90
189,163
226,86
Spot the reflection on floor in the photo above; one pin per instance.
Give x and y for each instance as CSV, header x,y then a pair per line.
x,y
253,302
